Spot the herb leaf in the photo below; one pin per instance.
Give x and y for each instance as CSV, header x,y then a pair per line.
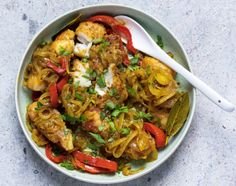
x,y
101,81
97,137
101,127
67,165
134,60
131,91
98,40
39,105
117,111
125,131
102,115
110,105
112,125
79,96
113,92
63,52
91,90
73,120
147,116
159,41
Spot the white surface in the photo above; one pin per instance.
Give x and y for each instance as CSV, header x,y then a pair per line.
x,y
206,29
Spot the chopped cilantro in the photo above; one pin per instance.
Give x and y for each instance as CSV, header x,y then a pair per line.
x,y
144,115
133,67
112,125
97,137
103,45
113,92
101,127
85,76
98,40
93,146
73,120
134,60
79,97
91,90
70,81
159,41
76,84
67,165
102,115
63,52
110,105
101,81
84,59
125,131
131,91
39,105
117,111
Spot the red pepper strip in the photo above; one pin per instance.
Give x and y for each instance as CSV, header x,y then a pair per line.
x,y
124,32
55,68
160,136
116,27
49,154
111,166
110,21
93,170
35,95
61,83
64,62
53,94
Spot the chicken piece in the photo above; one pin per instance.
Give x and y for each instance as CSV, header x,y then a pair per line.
x,y
115,88
48,122
94,122
35,83
80,73
88,31
64,43
156,64
140,147
66,35
82,50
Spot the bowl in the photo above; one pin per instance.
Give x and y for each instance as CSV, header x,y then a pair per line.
x,y
154,28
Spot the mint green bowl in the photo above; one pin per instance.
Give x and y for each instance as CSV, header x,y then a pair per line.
x,y
154,27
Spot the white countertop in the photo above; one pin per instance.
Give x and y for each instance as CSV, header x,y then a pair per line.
x,y
207,30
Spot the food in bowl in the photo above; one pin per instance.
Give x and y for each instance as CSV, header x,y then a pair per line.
x,y
98,103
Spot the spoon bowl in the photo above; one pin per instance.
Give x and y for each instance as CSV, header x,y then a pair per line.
x,y
144,43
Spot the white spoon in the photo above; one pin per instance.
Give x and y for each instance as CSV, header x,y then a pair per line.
x,y
143,42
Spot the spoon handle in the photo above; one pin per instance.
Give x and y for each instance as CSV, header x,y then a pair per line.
x,y
195,81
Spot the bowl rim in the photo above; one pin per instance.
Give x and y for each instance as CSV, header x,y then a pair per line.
x,y
124,179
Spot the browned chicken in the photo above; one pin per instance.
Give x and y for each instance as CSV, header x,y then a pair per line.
x,y
48,121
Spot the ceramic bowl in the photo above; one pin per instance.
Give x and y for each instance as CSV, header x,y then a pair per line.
x,y
154,27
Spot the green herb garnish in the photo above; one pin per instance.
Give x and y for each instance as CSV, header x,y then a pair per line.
x,y
73,120
125,131
131,91
85,76
79,96
103,45
63,52
98,40
144,115
159,41
91,90
134,60
112,125
97,137
120,110
70,81
102,115
113,92
101,81
76,84
133,67
110,105
101,127
39,105
93,146
84,59
67,165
